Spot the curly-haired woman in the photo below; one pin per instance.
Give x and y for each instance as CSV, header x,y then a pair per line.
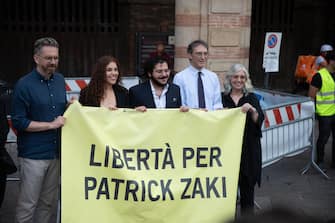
x,y
104,89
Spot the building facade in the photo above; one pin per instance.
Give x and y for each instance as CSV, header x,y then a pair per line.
x,y
223,24
129,29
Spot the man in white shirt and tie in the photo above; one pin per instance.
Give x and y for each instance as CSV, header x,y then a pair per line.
x,y
199,87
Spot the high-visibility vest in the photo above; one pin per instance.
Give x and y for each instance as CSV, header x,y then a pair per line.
x,y
325,97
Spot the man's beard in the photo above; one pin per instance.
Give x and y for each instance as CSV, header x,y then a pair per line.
x,y
156,82
50,69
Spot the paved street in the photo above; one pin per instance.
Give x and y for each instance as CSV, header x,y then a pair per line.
x,y
310,194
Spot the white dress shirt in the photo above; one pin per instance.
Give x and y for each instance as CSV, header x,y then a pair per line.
x,y
160,101
187,80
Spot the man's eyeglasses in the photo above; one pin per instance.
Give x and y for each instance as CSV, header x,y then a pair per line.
x,y
201,54
50,58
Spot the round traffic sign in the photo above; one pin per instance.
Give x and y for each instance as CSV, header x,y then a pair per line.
x,y
272,40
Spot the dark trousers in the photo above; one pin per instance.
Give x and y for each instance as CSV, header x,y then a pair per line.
x,y
326,126
247,190
2,187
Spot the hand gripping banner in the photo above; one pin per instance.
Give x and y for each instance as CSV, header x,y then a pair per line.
x,y
156,166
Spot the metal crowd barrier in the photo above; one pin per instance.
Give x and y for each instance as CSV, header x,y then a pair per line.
x,y
282,143
288,128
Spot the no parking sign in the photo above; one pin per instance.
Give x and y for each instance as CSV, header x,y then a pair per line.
x,y
271,52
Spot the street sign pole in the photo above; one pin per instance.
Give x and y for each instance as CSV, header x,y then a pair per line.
x,y
266,80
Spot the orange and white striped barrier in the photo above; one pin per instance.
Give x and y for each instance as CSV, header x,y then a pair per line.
x,y
281,115
76,84
73,86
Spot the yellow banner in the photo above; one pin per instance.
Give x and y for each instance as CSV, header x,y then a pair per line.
x,y
157,166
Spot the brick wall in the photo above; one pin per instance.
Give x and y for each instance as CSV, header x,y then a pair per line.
x,y
224,24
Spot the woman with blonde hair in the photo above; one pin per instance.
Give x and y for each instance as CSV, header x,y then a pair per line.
x,y
239,93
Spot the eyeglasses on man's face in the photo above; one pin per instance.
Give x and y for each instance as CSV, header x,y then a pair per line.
x,y
201,54
49,58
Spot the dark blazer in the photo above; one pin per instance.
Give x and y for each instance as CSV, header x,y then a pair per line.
x,y
141,94
121,94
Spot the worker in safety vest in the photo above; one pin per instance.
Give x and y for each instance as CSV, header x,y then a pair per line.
x,y
322,89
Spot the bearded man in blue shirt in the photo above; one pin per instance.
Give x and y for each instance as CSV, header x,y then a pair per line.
x,y
39,102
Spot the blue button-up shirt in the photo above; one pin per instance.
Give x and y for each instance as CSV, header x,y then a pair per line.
x,y
187,80
38,99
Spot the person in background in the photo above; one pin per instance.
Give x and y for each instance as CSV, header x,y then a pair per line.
x,y
160,53
38,103
155,92
310,68
104,89
322,90
238,93
321,61
199,87
4,129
